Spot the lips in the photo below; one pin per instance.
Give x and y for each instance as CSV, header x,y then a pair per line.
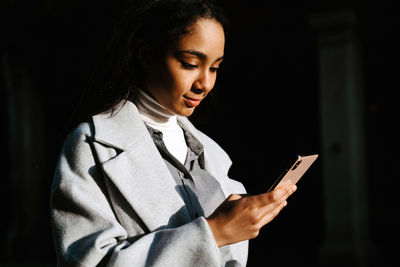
x,y
192,102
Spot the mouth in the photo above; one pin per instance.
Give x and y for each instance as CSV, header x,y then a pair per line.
x,y
192,102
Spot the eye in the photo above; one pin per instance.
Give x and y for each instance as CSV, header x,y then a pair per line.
x,y
188,66
213,69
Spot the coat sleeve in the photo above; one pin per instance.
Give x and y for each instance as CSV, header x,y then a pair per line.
x,y
87,233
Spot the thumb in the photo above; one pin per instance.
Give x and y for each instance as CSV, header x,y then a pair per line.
x,y
233,197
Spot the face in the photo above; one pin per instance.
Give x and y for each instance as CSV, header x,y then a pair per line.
x,y
187,72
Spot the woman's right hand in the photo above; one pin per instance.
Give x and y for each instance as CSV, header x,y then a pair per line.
x,y
241,218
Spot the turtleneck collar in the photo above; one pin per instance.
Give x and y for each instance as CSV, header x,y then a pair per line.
x,y
159,118
152,112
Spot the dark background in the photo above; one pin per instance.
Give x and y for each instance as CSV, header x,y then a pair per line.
x,y
267,112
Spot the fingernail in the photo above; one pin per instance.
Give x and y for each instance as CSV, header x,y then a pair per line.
x,y
294,188
285,203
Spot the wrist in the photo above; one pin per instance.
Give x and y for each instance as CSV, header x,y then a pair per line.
x,y
215,231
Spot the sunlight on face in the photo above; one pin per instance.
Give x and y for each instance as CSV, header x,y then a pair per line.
x,y
188,70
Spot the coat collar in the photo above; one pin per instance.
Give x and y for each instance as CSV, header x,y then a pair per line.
x,y
125,127
121,129
139,172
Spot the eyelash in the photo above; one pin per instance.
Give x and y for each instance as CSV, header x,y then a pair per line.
x,y
213,69
188,66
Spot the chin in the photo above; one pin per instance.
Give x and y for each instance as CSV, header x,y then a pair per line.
x,y
185,112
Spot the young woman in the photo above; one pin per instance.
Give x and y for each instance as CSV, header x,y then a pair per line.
x,y
136,183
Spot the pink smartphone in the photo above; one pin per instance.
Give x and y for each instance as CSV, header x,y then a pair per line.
x,y
295,171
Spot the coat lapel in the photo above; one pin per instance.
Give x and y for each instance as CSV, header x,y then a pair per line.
x,y
139,171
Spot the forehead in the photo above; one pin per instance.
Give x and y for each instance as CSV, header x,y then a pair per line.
x,y
205,36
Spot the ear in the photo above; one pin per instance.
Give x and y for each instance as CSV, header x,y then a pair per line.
x,y
144,53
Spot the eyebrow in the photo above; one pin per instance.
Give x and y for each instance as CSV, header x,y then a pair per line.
x,y
198,54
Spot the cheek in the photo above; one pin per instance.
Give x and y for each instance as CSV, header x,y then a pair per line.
x,y
182,81
213,80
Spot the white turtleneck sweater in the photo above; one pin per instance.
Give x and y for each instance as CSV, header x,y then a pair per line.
x,y
157,117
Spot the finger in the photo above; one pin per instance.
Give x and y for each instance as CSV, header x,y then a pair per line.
x,y
277,195
289,189
268,217
273,200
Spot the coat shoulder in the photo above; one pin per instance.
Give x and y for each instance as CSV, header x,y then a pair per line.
x,y
76,142
212,148
216,160
75,155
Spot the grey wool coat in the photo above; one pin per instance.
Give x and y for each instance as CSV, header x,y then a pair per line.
x,y
114,202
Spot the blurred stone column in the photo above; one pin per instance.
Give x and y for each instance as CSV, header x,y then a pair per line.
x,y
343,152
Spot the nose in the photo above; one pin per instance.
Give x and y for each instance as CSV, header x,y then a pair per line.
x,y
203,83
